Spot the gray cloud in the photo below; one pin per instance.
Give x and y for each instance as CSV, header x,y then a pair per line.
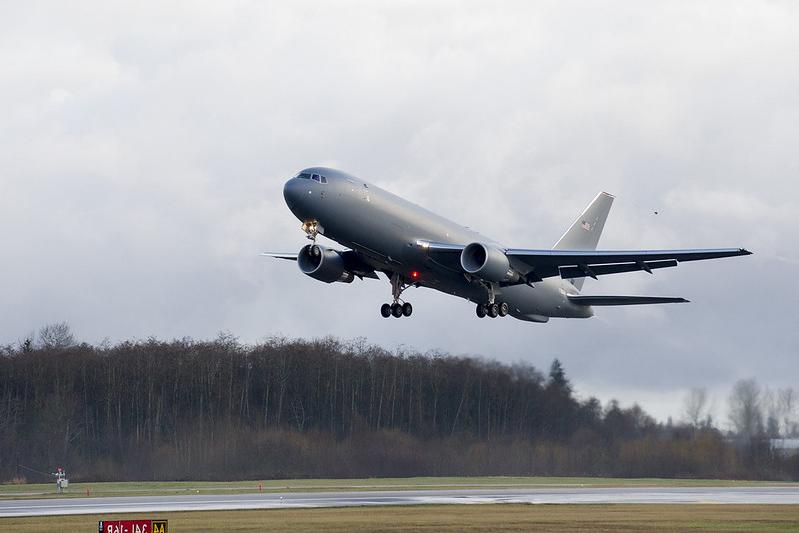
x,y
143,150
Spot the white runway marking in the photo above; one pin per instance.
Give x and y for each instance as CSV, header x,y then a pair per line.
x,y
288,500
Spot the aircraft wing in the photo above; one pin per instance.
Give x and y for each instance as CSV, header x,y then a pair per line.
x,y
624,300
536,265
277,255
352,261
592,263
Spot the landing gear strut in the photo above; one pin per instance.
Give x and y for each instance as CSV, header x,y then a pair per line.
x,y
399,308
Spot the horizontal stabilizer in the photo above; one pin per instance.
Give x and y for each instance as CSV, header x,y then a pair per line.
x,y
623,300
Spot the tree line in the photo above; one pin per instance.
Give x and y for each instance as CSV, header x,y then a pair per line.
x,y
281,408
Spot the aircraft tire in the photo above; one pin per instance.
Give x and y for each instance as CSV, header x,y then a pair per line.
x,y
493,310
481,310
396,310
385,310
407,309
504,309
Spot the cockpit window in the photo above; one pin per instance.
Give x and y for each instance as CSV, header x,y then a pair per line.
x,y
308,176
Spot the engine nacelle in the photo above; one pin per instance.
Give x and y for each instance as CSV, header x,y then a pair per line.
x,y
323,264
487,263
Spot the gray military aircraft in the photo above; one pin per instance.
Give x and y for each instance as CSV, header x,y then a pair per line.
x,y
415,247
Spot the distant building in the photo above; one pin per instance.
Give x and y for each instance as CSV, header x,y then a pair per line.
x,y
785,447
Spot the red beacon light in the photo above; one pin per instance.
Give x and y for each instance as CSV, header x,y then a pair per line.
x,y
414,275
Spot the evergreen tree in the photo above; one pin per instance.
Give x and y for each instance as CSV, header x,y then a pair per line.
x,y
557,377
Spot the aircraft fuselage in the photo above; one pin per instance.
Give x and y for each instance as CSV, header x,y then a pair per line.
x,y
386,230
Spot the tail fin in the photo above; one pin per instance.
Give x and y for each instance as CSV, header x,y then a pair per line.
x,y
584,233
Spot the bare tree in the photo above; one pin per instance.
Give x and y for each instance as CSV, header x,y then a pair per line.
x,y
745,408
770,407
56,335
694,405
786,399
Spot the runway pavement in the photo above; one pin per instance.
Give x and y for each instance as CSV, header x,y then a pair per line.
x,y
288,500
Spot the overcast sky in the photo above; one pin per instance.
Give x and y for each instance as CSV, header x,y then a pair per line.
x,y
144,147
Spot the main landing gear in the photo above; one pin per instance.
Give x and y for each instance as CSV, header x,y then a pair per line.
x,y
397,309
492,310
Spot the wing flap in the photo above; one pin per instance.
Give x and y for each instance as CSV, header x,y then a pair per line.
x,y
599,270
623,300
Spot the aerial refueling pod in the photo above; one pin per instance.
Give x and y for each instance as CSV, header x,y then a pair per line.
x,y
323,264
487,262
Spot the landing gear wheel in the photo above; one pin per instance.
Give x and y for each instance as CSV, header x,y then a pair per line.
x,y
503,309
493,310
396,310
481,310
385,310
407,309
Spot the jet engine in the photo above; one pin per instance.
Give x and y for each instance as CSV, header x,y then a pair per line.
x,y
487,262
323,264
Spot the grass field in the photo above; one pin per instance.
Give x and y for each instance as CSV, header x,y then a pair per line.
x,y
316,485
456,518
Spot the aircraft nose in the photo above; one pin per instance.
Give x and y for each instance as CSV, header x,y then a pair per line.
x,y
291,193
295,192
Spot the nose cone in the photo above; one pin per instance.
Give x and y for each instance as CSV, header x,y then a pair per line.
x,y
293,194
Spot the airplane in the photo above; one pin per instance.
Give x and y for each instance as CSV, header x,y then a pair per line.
x,y
415,247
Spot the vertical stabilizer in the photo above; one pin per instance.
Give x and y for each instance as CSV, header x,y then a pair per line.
x,y
585,232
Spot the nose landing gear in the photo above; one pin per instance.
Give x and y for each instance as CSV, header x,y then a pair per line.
x,y
399,308
311,229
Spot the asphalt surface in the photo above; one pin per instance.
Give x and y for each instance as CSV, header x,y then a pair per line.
x,y
288,500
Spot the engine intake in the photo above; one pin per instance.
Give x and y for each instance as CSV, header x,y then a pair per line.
x,y
323,264
487,262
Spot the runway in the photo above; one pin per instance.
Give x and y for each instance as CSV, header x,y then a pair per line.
x,y
288,500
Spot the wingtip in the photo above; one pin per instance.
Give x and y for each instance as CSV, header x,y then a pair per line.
x,y
744,251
